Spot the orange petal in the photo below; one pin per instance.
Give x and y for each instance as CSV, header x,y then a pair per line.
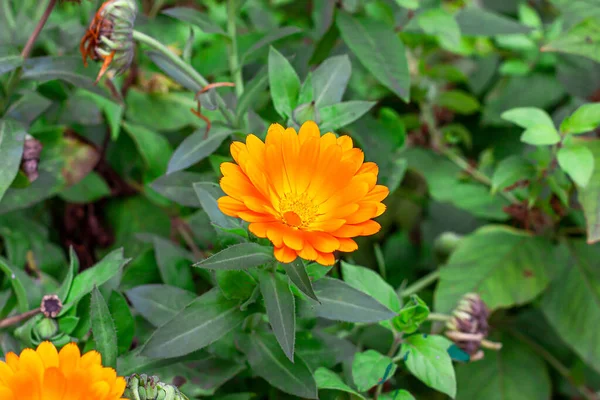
x,y
378,193
323,242
329,225
90,358
284,254
308,130
54,385
6,373
230,206
6,394
369,228
366,212
345,141
325,258
251,216
348,231
48,354
31,363
69,358
275,234
347,245
13,361
308,252
293,238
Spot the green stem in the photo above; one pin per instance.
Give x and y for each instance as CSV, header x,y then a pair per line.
x,y
439,317
234,62
437,144
421,283
8,15
191,72
555,363
393,350
155,8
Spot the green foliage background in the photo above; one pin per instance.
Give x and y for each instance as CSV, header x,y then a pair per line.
x,y
482,117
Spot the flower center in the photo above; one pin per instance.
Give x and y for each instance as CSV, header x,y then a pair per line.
x,y
297,210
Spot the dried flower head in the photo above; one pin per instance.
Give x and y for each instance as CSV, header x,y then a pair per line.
x,y
45,373
110,36
309,194
31,157
144,387
469,326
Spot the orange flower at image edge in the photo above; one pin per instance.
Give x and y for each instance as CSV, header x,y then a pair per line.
x,y
309,194
46,374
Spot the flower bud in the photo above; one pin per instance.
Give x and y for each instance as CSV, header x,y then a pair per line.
x,y
469,327
110,36
31,157
143,387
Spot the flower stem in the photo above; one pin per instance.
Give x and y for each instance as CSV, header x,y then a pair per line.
x,y
234,62
18,318
460,162
555,363
191,72
38,28
421,283
439,317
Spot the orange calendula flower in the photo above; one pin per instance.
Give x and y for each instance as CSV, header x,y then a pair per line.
x,y
46,374
309,194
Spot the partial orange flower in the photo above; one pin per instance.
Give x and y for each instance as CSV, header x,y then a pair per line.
x,y
309,194
46,374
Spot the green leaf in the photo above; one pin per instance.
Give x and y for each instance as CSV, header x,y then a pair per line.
x,y
269,38
513,373
203,321
379,49
235,284
112,111
270,363
178,187
17,285
370,368
8,63
341,302
99,274
208,193
578,162
458,101
154,148
327,379
159,303
398,394
174,71
586,118
238,256
173,263
589,197
196,147
475,21
330,79
370,282
195,17
582,39
284,83
412,315
87,190
299,277
103,328
123,319
572,302
539,127
427,358
279,302
511,170
12,139
410,4
338,115
505,266
440,23
65,288
251,93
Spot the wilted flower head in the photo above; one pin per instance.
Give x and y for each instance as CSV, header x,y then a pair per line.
x,y
309,194
45,373
143,387
110,36
469,326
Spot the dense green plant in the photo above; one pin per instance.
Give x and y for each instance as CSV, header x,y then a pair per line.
x,y
483,283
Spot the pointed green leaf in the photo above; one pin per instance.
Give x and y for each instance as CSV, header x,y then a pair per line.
x,y
338,115
578,162
281,310
12,140
196,18
330,80
159,303
327,379
299,277
284,83
196,147
203,321
123,319
586,118
371,368
103,328
238,256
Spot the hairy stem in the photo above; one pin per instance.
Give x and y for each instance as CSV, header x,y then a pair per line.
x,y
421,284
18,318
191,72
38,28
234,61
439,317
556,364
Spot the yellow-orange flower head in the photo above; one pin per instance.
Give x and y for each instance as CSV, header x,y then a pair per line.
x,y
309,194
46,374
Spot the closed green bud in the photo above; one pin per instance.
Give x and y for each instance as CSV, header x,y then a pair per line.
x,y
144,387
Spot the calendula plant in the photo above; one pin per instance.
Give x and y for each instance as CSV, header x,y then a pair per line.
x,y
372,199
